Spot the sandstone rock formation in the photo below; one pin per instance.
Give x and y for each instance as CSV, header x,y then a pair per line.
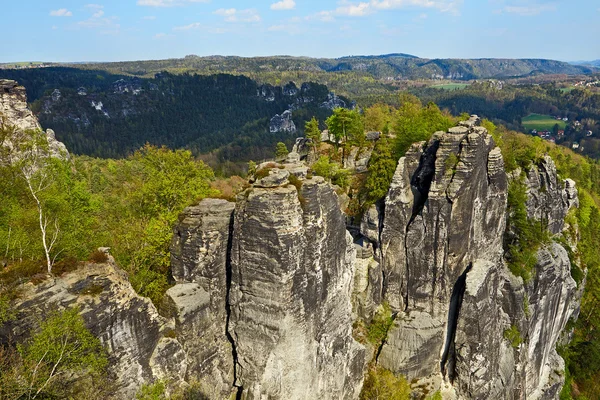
x,y
282,123
14,112
267,288
444,275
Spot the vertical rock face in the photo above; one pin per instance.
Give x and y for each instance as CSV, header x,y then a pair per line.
x,y
445,210
444,275
199,263
290,296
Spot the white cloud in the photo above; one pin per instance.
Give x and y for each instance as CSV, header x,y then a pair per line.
x,y
195,25
149,18
97,20
323,16
530,10
284,5
235,15
160,35
167,3
360,9
96,9
62,12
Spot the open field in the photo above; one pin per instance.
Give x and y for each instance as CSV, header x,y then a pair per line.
x,y
541,122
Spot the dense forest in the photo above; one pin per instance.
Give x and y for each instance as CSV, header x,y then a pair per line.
x,y
226,117
104,115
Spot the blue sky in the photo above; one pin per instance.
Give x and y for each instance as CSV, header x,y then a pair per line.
x,y
112,30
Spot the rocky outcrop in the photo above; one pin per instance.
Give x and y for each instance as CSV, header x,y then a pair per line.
x,y
290,295
14,112
267,288
282,123
333,101
199,264
441,251
129,326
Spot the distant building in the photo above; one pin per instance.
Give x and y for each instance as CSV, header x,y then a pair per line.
x,y
575,145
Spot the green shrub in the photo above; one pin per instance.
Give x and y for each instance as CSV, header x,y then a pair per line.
x,y
513,336
378,329
262,173
524,236
152,391
382,384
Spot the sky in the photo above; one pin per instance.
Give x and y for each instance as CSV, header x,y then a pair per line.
x,y
125,30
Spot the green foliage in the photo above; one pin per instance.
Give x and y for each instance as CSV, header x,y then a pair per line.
x,y
513,336
251,168
331,171
153,391
524,236
346,125
61,353
281,151
382,166
382,384
436,396
312,131
7,311
129,205
378,329
377,117
451,162
414,123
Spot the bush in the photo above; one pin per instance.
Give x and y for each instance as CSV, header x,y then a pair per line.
x,y
98,257
382,384
152,391
513,336
378,329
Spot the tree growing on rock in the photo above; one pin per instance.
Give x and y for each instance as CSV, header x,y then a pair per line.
x,y
281,151
312,132
28,154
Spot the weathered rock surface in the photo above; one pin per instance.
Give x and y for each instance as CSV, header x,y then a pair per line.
x,y
128,325
443,270
290,296
14,112
282,123
199,263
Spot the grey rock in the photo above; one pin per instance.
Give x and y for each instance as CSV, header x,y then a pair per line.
x,y
15,112
282,123
276,177
199,263
333,102
290,296
549,199
128,325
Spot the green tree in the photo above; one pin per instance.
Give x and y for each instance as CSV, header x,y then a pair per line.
x,y
281,151
346,125
377,117
61,352
382,166
414,123
312,132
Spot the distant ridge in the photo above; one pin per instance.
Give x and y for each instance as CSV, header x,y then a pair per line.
x,y
394,66
594,63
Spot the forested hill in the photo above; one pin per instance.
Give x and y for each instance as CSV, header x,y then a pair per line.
x,y
387,67
101,114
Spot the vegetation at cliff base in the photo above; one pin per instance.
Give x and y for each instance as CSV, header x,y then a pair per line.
x,y
61,360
